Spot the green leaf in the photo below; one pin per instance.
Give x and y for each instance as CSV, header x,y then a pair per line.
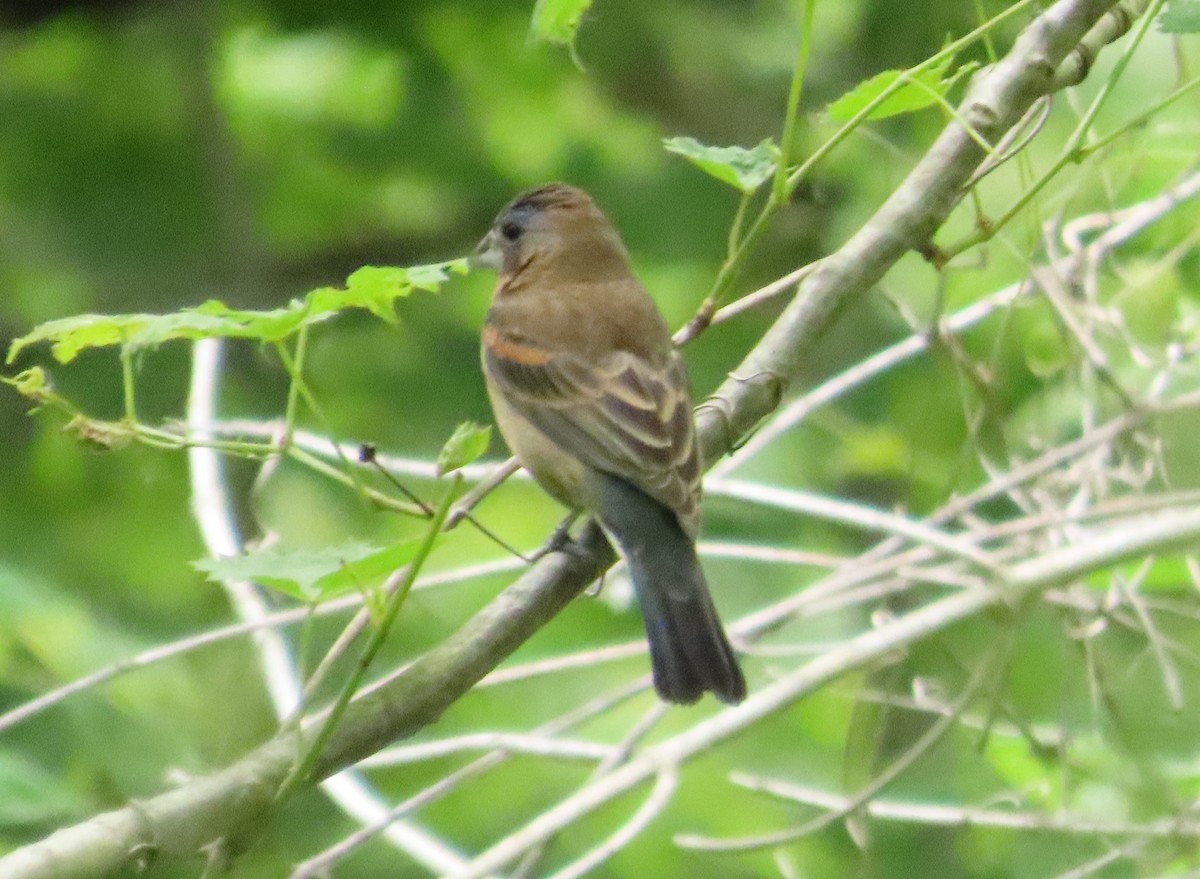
x,y
71,335
377,288
312,575
1180,17
34,384
369,569
372,288
466,444
739,167
557,21
918,91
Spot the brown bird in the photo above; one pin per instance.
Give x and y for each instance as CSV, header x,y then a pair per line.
x,y
593,399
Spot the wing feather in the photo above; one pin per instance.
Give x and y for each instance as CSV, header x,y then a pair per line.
x,y
625,415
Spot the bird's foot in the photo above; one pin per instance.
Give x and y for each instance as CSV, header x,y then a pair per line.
x,y
560,540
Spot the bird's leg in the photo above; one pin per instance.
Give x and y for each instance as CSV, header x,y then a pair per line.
x,y
586,545
560,539
582,547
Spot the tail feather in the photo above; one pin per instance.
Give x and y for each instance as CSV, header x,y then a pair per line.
x,y
689,651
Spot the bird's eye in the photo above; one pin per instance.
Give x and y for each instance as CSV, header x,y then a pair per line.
x,y
511,231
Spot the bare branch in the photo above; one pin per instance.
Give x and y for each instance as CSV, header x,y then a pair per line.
x,y
933,814
217,810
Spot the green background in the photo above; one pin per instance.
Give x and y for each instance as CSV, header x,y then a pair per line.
x,y
153,156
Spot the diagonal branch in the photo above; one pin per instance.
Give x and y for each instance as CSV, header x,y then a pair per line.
x,y
221,812
218,813
1165,532
997,99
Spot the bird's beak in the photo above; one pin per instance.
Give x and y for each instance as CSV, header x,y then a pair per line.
x,y
487,255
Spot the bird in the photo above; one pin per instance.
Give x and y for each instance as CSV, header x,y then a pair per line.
x,y
591,396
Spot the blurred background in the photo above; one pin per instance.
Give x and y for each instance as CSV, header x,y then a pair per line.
x,y
157,154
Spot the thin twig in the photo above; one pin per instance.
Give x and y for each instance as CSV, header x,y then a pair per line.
x,y
938,815
320,864
658,800
273,620
495,476
1131,591
213,510
512,743
930,737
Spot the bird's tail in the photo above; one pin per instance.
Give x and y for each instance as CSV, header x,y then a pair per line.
x,y
689,651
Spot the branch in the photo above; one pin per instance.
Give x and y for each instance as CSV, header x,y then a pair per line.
x,y
1105,547
219,811
997,100
216,813
213,508
932,814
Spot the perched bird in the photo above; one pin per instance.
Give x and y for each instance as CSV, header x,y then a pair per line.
x,y
594,401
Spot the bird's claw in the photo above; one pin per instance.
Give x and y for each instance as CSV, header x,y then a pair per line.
x,y
560,540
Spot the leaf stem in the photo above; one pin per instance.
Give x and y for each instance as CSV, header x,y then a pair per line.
x,y
1073,152
289,418
1141,119
304,766
788,138
781,192
301,389
128,385
735,228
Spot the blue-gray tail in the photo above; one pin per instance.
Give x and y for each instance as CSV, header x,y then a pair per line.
x,y
689,651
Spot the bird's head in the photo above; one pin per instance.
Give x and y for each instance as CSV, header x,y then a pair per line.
x,y
557,225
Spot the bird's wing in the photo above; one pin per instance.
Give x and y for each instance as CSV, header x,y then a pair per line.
x,y
623,414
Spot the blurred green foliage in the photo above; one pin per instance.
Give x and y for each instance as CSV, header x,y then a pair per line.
x,y
154,156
